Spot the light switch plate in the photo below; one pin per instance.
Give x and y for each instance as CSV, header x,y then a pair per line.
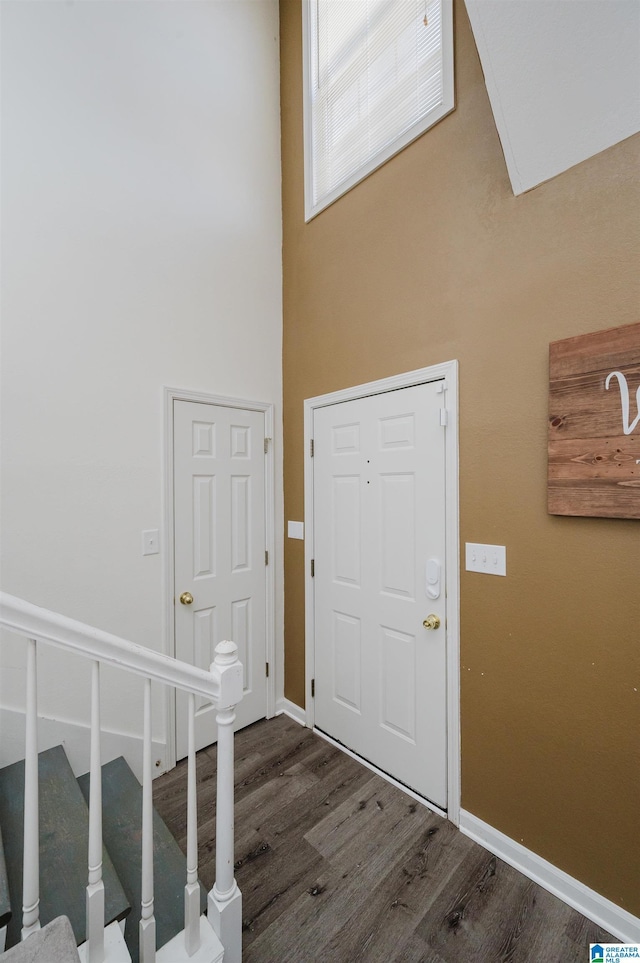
x,y
490,559
151,542
296,529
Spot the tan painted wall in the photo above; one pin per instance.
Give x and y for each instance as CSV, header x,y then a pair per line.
x,y
433,258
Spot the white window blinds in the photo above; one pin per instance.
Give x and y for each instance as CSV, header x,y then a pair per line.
x,y
377,74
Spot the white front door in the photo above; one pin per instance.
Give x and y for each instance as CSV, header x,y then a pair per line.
x,y
379,546
220,542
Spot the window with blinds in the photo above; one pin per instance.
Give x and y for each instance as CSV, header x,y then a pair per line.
x,y
378,73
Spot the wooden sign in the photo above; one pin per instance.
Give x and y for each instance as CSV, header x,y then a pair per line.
x,y
594,424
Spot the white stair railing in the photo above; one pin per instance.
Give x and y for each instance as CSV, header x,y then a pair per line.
x,y
95,886
222,686
148,920
31,852
225,900
192,888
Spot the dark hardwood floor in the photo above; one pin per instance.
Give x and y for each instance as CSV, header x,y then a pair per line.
x,y
336,865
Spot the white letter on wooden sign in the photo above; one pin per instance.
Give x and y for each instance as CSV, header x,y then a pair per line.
x,y
627,426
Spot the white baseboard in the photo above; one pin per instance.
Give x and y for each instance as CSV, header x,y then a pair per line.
x,y
76,739
602,911
292,710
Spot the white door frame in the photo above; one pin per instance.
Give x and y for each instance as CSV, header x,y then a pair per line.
x,y
449,372
178,394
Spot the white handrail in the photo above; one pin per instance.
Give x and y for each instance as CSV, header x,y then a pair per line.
x,y
35,622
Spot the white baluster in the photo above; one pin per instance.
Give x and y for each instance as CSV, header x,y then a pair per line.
x,y
95,887
192,889
225,899
31,853
147,928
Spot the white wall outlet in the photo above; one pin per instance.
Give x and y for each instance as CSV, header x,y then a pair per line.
x,y
151,542
295,529
490,559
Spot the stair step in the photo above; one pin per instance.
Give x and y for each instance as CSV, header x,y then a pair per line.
x,y
122,834
54,943
5,902
64,833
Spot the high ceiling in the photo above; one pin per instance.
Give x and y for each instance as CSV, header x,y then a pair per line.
x,y
563,77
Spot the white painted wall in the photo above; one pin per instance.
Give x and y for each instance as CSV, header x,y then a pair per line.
x,y
141,247
563,79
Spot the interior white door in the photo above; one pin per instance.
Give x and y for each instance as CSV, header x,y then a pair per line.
x,y
379,547
219,544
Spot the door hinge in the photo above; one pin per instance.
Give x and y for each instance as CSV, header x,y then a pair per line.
x,y
313,567
313,688
266,557
266,669
444,417
266,445
311,448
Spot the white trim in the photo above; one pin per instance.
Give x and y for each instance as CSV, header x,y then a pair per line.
x,y
383,775
169,641
422,126
449,371
287,708
595,907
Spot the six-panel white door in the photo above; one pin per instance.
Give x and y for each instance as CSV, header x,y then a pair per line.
x,y
219,539
379,536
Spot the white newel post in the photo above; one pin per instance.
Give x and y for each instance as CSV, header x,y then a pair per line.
x,y
192,889
31,852
95,887
225,899
147,925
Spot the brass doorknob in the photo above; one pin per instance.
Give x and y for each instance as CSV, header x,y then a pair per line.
x,y
186,598
432,622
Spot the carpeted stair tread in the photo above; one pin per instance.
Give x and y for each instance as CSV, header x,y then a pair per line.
x,y
64,834
122,833
54,943
5,902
